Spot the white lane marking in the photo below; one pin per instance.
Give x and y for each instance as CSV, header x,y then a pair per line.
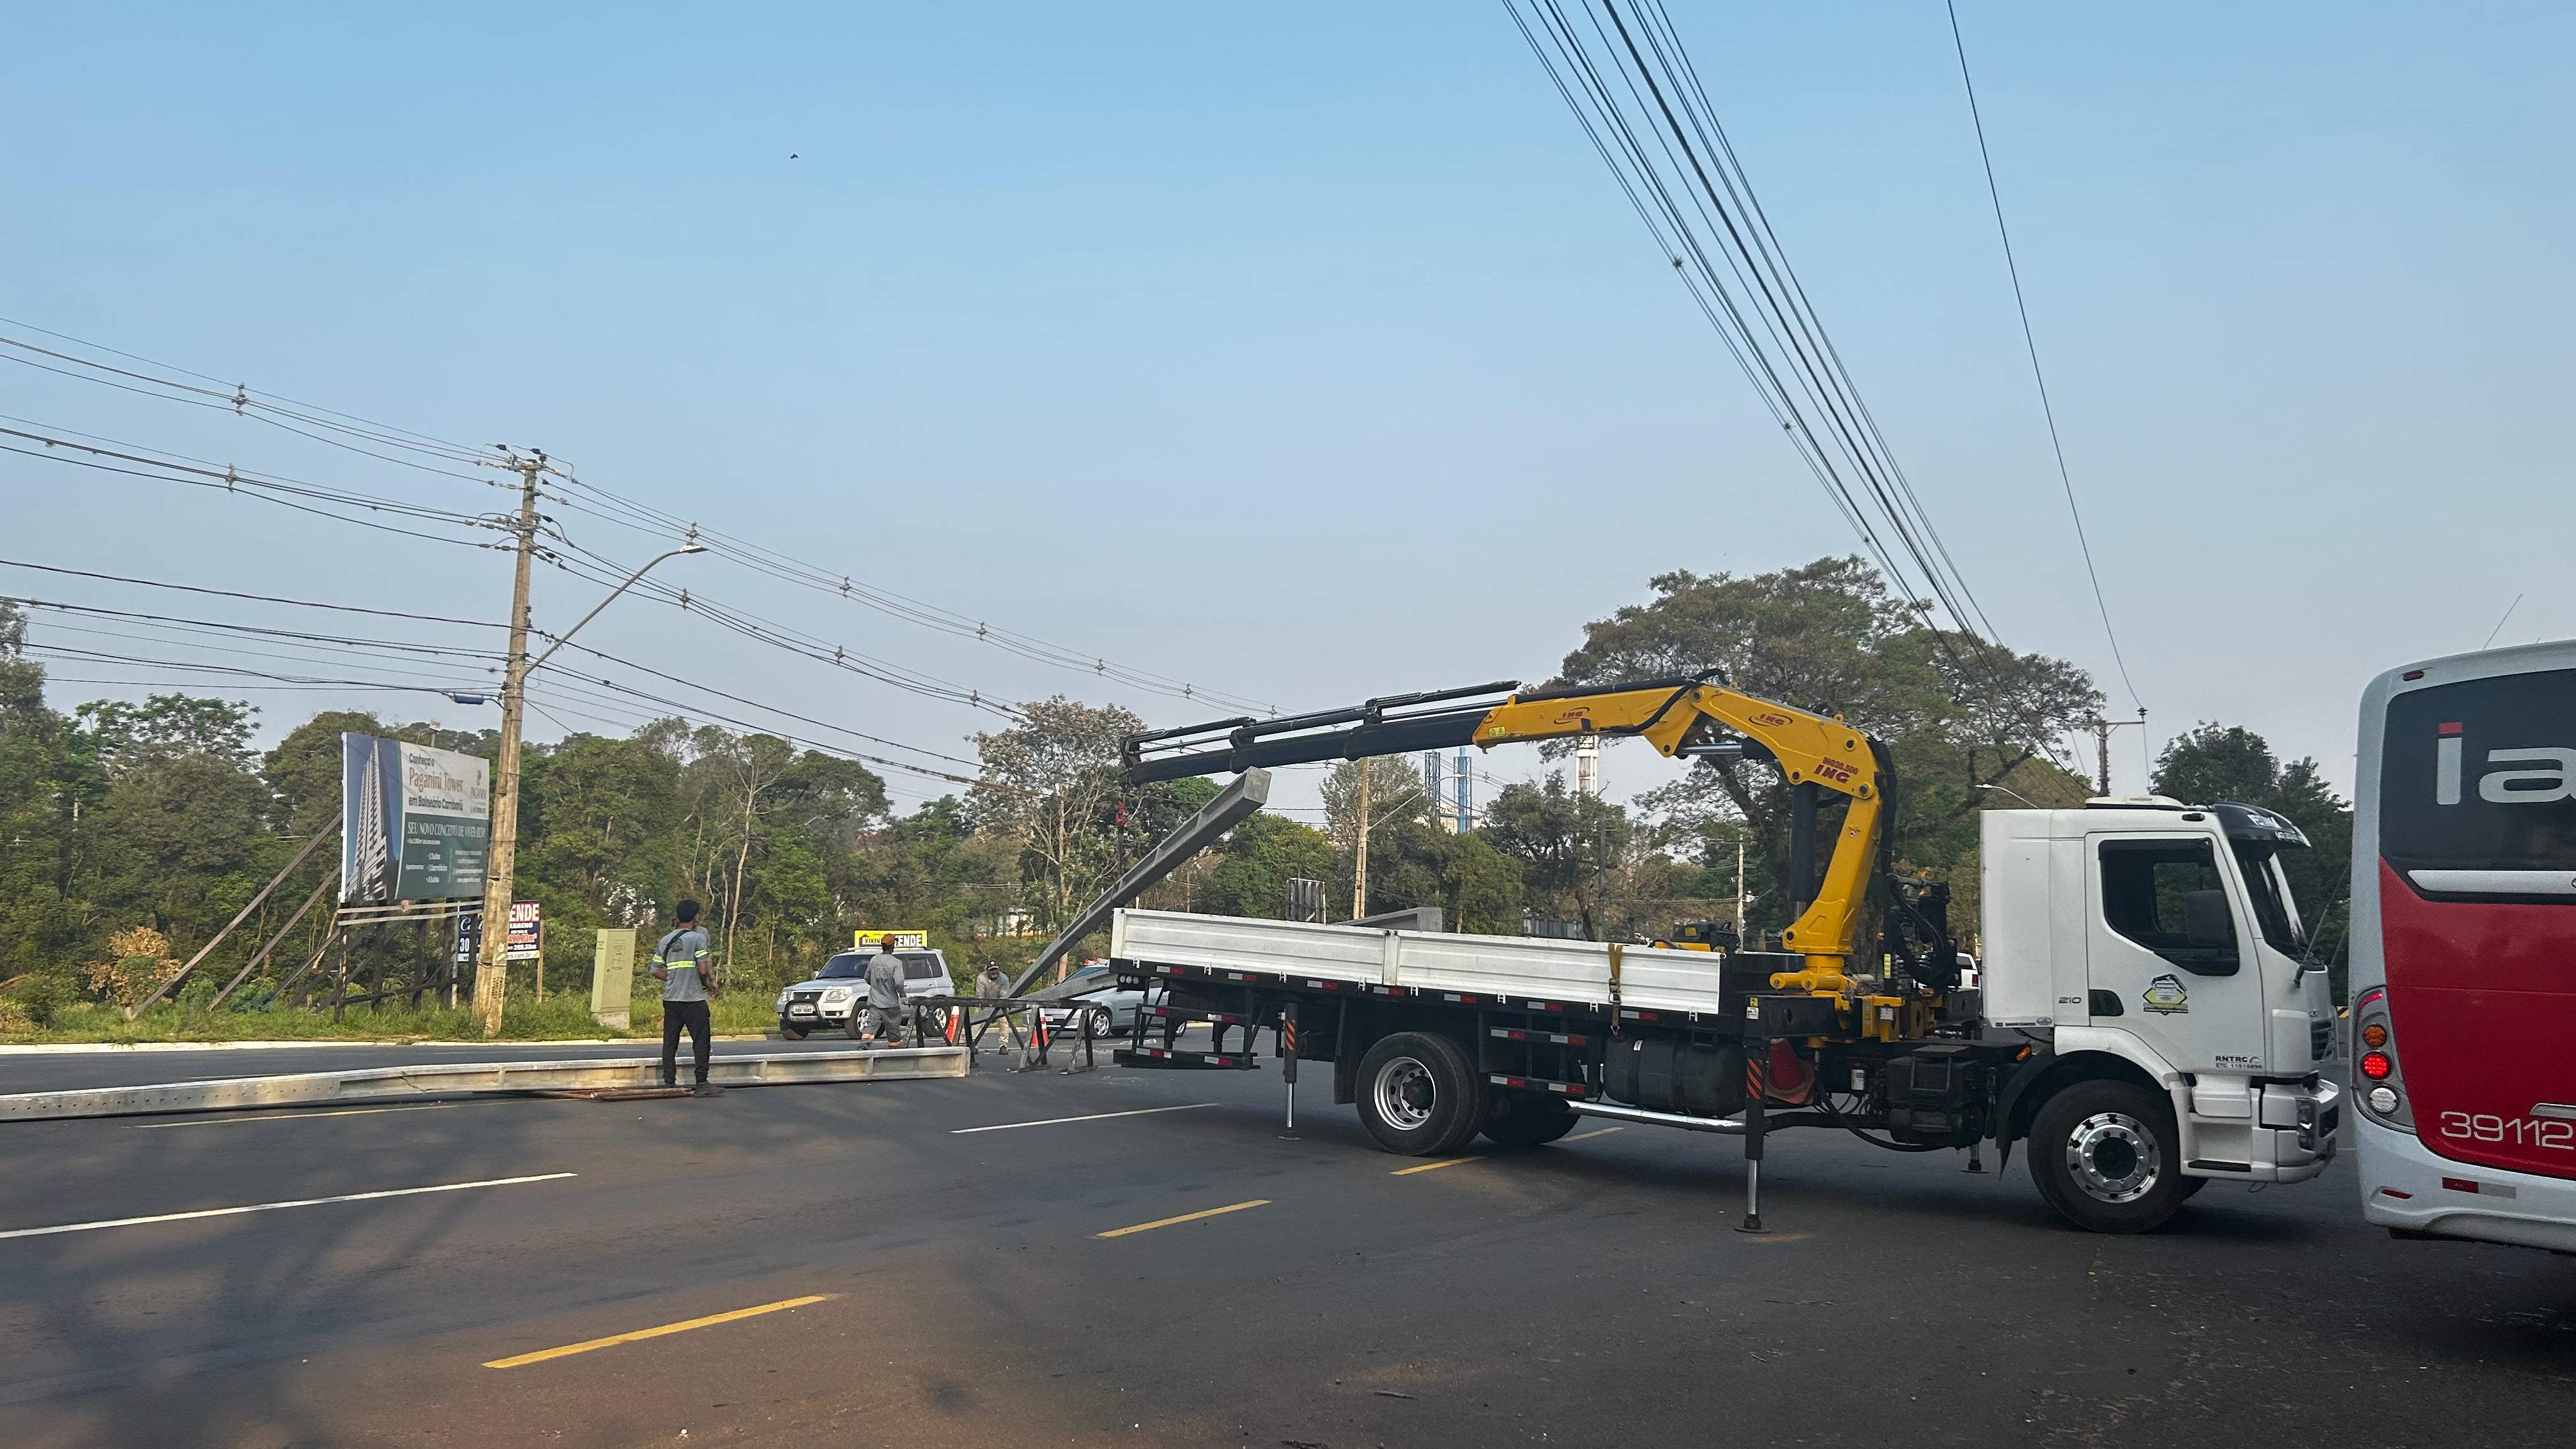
x,y
290,1115
262,1207
1094,1117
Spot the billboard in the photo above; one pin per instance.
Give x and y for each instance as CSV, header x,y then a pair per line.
x,y
414,822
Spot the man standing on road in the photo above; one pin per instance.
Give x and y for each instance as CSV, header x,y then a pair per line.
x,y
885,992
994,984
680,964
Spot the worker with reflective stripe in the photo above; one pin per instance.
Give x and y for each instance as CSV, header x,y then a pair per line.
x,y
680,964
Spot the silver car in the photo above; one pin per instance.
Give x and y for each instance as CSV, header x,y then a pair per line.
x,y
1093,990
836,997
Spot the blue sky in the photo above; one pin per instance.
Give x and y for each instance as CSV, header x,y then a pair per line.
x,y
1308,352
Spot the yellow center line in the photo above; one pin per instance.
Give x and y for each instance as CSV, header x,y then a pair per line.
x,y
1430,1166
1184,1218
639,1335
1596,1132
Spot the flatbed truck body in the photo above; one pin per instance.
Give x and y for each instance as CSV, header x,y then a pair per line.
x,y
2140,1053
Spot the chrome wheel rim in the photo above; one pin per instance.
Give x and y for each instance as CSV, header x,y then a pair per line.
x,y
2113,1157
1406,1094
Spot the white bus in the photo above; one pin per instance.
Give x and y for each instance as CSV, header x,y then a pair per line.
x,y
2463,1023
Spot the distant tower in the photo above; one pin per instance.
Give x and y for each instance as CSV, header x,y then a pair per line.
x,y
1464,773
1587,768
1431,785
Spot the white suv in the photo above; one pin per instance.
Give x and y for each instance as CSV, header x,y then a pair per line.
x,y
833,1000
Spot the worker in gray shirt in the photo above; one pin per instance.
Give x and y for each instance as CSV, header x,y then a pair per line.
x,y
994,984
885,992
680,963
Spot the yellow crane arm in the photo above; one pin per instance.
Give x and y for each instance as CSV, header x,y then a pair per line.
x,y
1691,717
1808,747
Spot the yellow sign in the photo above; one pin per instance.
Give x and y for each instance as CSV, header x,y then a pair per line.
x,y
903,940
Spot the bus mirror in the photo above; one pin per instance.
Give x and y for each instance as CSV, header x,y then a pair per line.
x,y
2205,921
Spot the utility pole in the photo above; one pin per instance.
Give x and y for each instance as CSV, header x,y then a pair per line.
x,y
1359,863
2101,729
491,962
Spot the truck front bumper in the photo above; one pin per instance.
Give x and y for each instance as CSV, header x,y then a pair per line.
x,y
2408,1187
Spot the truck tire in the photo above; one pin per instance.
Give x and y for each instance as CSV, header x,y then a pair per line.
x,y
792,1031
1528,1120
1417,1094
2105,1154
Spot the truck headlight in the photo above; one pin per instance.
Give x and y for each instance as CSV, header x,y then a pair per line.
x,y
782,1001
838,996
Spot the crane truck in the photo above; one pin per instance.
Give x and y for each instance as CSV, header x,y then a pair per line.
x,y
2147,1018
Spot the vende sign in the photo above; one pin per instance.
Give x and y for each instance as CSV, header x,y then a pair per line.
x,y
527,933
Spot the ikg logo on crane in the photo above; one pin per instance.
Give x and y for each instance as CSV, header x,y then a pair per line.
x,y
2555,780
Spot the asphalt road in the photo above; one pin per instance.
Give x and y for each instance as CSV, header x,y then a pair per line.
x,y
1588,1293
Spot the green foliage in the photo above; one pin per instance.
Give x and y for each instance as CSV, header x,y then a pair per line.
x,y
1252,867
1051,784
1829,637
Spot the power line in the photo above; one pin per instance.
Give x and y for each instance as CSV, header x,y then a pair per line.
x,y
2031,342
271,408
752,626
310,643
204,625
100,657
646,519
260,598
1737,276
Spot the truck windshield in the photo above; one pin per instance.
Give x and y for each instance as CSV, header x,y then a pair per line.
x,y
848,966
2276,911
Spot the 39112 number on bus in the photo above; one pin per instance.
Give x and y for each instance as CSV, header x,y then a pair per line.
x,y
2526,1131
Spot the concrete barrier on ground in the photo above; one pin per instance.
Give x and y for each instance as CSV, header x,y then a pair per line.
x,y
450,1079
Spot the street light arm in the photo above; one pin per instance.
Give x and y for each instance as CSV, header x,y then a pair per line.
x,y
2016,794
561,639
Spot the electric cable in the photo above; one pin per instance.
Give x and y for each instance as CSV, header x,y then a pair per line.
x,y
2031,342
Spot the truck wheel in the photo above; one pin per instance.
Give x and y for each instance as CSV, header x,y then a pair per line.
x,y
1528,1121
2106,1156
1417,1094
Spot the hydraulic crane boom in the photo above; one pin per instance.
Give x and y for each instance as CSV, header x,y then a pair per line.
x,y
1695,716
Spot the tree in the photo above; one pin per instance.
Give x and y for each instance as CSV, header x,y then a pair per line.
x,y
2216,762
1051,784
1396,797
1570,847
1954,711
1252,867
166,727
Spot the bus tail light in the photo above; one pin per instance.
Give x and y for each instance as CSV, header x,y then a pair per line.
x,y
2383,1083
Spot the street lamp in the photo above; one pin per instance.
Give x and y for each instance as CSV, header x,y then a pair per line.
x,y
2016,794
500,886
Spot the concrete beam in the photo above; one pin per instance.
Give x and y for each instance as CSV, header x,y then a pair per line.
x,y
449,1079
1233,805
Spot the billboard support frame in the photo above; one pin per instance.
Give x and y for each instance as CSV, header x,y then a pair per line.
x,y
166,987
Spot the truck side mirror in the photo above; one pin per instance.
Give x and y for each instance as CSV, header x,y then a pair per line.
x,y
2205,919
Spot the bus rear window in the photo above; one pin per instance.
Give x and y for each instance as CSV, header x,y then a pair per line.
x,y
2481,775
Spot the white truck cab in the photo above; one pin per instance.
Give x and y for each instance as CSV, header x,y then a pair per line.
x,y
2144,939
